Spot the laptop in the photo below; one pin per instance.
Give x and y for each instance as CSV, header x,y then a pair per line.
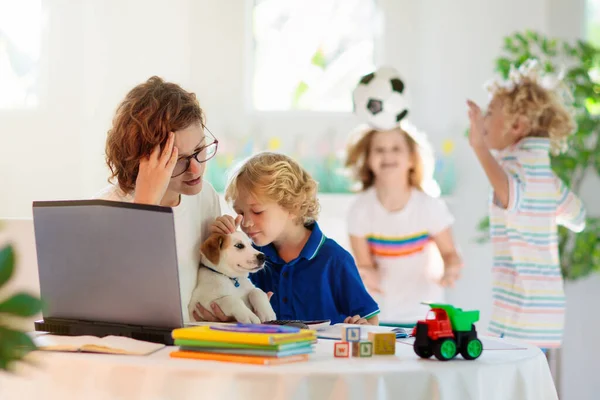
x,y
107,268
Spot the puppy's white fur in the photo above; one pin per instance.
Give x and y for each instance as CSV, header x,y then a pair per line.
x,y
233,257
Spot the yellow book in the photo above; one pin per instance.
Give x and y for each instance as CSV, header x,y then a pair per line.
x,y
216,334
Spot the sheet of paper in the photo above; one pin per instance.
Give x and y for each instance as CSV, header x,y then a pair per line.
x,y
335,331
488,343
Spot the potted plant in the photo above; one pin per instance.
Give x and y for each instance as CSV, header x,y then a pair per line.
x,y
14,344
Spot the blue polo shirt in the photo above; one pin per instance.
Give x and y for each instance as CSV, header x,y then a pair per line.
x,y
321,283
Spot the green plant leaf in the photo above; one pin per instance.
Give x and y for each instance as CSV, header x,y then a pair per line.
x,y
549,67
509,45
318,59
524,42
503,66
17,339
7,264
300,90
531,35
596,162
22,305
14,345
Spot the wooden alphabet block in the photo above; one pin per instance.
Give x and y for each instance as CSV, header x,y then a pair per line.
x,y
362,349
383,343
366,349
341,349
351,334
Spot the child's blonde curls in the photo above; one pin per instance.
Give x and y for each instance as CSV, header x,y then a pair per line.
x,y
278,178
542,98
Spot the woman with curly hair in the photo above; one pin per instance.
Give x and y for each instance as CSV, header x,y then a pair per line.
x,y
157,150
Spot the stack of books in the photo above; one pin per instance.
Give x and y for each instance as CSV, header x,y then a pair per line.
x,y
244,343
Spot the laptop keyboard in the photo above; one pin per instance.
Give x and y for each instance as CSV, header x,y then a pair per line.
x,y
287,322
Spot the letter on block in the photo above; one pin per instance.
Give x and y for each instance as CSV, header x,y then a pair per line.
x,y
366,349
351,334
341,349
383,343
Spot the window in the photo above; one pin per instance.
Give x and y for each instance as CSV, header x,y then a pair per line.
x,y
20,42
309,54
593,21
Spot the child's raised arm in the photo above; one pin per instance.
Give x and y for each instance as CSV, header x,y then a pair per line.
x,y
495,173
570,212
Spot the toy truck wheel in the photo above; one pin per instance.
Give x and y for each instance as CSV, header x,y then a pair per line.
x,y
422,351
445,349
472,349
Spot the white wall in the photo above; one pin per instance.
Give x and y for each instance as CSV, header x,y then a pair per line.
x,y
96,51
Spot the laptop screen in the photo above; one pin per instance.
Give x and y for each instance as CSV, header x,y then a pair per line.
x,y
109,262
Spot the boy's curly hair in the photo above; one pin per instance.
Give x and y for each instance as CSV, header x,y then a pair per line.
x,y
357,160
278,178
546,112
143,120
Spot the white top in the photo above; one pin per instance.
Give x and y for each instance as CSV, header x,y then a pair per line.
x,y
193,217
402,246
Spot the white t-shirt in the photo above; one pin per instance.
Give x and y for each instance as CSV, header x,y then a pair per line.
x,y
402,247
193,217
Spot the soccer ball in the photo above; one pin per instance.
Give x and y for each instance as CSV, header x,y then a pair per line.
x,y
380,99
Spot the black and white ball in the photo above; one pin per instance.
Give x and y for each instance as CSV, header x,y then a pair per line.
x,y
380,99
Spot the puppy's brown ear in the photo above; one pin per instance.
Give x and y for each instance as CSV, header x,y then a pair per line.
x,y
211,248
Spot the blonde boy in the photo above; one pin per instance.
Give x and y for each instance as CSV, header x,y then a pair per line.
x,y
311,276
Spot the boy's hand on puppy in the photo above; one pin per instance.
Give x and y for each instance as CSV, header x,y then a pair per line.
x,y
477,130
217,315
155,173
225,224
356,320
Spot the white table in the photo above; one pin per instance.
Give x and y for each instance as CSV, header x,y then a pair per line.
x,y
497,374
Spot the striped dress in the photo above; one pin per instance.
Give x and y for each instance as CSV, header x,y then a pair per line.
x,y
528,296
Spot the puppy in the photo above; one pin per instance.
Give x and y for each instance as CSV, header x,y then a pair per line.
x,y
225,263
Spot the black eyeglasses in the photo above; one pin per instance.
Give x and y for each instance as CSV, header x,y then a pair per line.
x,y
202,155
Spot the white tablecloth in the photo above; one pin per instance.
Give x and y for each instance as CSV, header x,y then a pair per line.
x,y
497,374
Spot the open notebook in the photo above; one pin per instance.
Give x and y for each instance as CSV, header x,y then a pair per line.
x,y
335,331
93,344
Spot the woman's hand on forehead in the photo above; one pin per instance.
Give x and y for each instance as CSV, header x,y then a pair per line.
x,y
155,173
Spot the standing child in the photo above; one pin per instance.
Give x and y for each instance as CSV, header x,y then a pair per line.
x,y
525,120
397,231
311,276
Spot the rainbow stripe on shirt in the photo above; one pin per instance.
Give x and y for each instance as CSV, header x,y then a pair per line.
x,y
395,246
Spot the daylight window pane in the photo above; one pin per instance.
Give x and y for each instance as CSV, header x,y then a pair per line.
x,y
309,54
593,21
20,42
